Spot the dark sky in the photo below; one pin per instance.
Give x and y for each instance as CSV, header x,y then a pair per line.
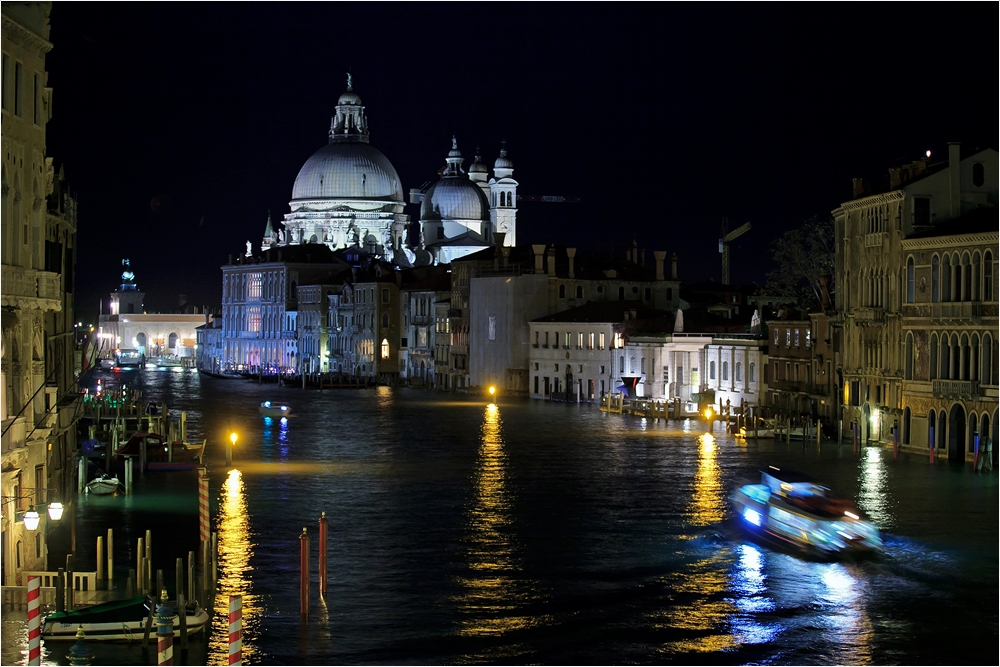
x,y
180,125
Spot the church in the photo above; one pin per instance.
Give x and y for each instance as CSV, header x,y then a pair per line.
x,y
348,195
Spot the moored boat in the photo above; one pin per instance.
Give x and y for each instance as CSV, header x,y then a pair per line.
x,y
159,454
105,485
268,409
121,620
791,510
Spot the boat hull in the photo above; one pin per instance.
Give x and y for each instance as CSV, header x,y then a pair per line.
x,y
99,625
103,487
274,411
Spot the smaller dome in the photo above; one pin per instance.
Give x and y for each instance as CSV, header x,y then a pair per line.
x,y
349,97
503,162
455,199
477,166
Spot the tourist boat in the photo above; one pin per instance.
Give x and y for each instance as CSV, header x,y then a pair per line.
x,y
121,620
267,409
105,485
159,454
790,510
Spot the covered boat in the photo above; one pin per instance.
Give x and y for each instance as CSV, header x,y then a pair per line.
x,y
789,509
105,485
121,620
268,409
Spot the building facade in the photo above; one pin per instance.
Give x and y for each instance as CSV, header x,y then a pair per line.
x,y
39,402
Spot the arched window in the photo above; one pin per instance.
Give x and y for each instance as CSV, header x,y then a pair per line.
x,y
562,291
752,373
974,362
945,373
579,291
934,356
385,348
930,429
909,355
385,320
965,357
906,426
935,280
946,278
966,278
738,372
631,365
711,370
621,364
978,174
988,276
725,370
987,367
642,365
909,280
975,277
172,341
955,358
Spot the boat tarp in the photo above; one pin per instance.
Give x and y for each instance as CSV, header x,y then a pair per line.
x,y
133,609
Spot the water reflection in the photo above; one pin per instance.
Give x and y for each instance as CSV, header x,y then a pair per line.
x,y
708,501
491,594
748,582
700,609
873,495
235,551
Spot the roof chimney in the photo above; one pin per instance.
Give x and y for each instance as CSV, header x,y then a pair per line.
x,y
858,185
539,251
659,255
571,253
673,266
955,178
551,257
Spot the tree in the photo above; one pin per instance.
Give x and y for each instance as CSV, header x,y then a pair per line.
x,y
803,256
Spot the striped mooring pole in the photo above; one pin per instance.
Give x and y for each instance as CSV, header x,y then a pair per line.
x,y
203,504
304,573
34,622
235,629
322,554
164,632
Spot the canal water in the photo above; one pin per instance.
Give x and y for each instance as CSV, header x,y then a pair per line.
x,y
533,532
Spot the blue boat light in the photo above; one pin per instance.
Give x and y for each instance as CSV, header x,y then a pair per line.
x,y
284,408
267,404
752,515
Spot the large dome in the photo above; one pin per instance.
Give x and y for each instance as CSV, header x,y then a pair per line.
x,y
348,170
454,199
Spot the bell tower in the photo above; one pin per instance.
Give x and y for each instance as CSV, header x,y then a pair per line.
x,y
503,198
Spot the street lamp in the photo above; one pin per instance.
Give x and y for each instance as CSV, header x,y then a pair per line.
x,y
55,511
31,518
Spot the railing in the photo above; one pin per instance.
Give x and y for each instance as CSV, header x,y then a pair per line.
x,y
958,310
869,314
19,283
13,434
955,388
874,240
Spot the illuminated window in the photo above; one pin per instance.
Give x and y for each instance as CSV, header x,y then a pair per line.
x,y
566,340
579,341
725,370
711,370
788,337
385,348
601,346
590,341
796,338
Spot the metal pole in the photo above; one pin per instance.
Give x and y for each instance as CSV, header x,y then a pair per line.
x,y
61,590
322,554
235,630
100,561
817,431
140,554
34,622
70,564
191,576
304,573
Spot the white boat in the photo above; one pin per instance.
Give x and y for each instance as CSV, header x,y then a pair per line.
x,y
790,510
121,620
103,485
765,429
268,409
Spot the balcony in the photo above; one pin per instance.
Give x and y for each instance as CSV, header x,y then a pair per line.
x,y
869,315
958,312
967,389
28,288
875,240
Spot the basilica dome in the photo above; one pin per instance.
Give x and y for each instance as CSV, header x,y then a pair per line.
x,y
348,170
455,198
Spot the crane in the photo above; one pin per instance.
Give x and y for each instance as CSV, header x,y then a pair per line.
x,y
724,238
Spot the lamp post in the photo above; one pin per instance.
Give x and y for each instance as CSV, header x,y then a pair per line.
x,y
229,448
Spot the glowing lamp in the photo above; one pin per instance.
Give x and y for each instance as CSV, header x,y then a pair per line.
x,y
232,438
55,511
31,518
708,413
493,390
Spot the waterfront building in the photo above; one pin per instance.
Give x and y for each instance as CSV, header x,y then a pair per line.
x,y
312,327
421,339
790,360
950,342
341,330
377,311
260,304
735,363
209,347
497,292
876,279
39,401
579,354
127,326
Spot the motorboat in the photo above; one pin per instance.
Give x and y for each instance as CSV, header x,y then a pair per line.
x,y
120,620
158,454
105,485
273,410
791,510
765,429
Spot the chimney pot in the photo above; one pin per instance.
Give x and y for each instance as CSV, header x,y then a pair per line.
x,y
539,251
571,253
659,256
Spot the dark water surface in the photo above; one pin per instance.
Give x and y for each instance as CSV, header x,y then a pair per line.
x,y
531,532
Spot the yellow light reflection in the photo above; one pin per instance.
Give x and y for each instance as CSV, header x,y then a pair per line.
x,y
235,550
708,503
491,594
703,620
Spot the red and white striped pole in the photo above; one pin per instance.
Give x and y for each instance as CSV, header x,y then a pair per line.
x,y
34,622
235,629
304,572
322,554
203,504
165,631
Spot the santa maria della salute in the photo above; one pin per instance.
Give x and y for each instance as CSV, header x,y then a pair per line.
x,y
349,195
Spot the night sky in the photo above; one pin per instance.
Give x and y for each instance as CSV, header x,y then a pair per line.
x,y
180,125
